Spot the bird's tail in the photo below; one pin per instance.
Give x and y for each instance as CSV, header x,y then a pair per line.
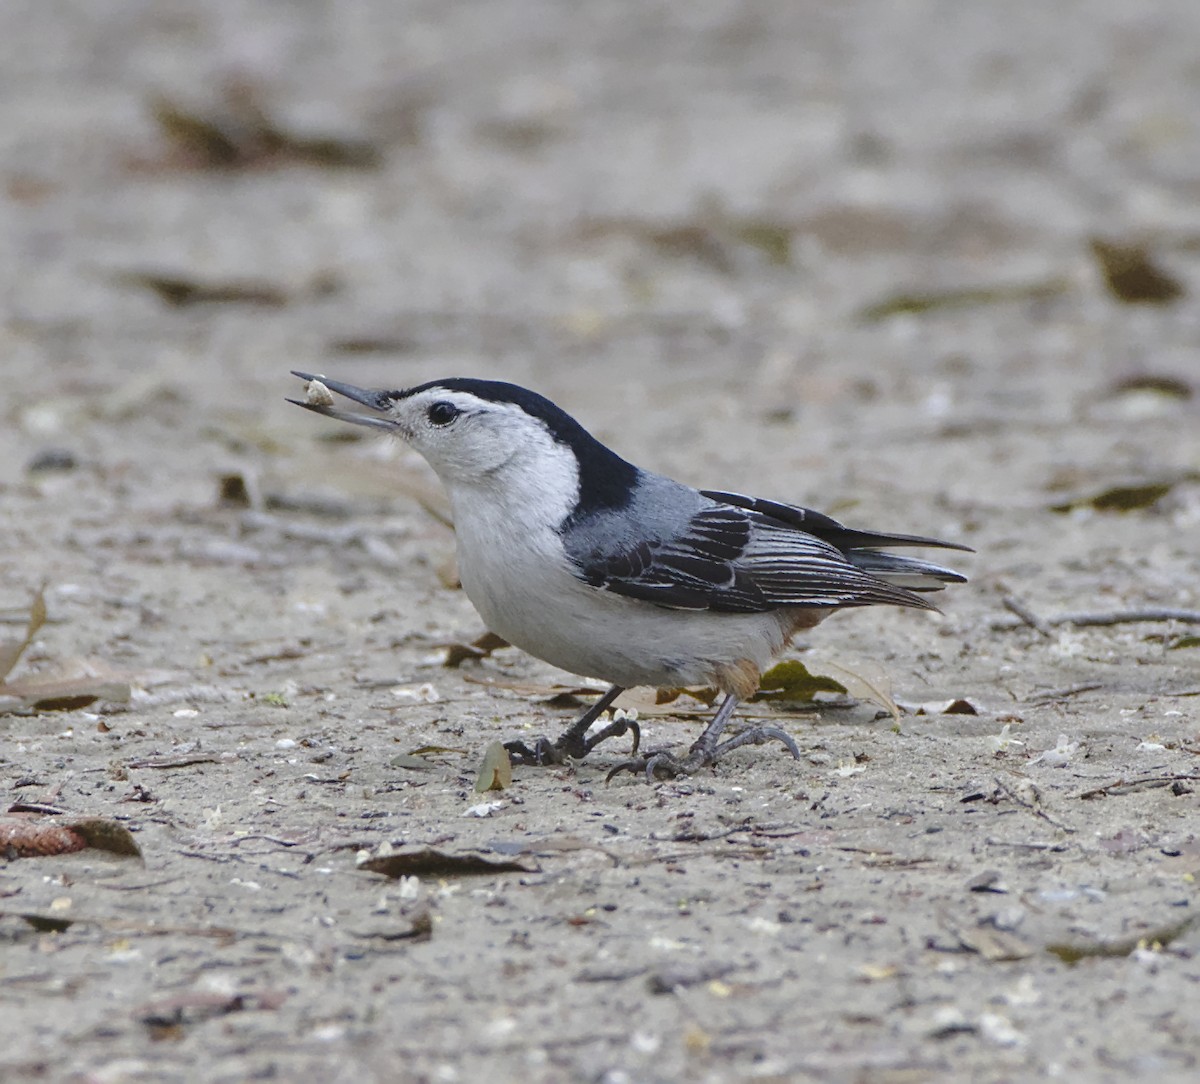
x,y
910,573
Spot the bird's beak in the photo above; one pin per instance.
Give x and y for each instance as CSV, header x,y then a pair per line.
x,y
374,398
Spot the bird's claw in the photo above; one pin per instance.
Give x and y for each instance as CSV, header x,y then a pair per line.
x,y
616,729
543,752
570,745
650,762
662,764
755,735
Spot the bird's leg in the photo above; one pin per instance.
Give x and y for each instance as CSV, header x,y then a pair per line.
x,y
707,744
708,748
573,742
615,729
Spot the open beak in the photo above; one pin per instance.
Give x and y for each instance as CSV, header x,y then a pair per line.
x,y
374,398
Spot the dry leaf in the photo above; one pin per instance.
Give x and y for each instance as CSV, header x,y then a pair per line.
x,y
1072,952
374,344
12,650
495,772
1119,498
236,490
29,837
41,923
1165,384
73,683
481,648
1132,276
46,692
179,291
428,862
107,835
239,134
968,297
196,139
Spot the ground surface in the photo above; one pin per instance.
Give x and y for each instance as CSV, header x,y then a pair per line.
x,y
670,218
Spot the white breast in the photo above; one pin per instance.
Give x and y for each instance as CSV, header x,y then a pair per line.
x,y
517,577
516,573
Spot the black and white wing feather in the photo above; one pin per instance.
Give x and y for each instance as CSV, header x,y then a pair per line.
x,y
863,549
730,556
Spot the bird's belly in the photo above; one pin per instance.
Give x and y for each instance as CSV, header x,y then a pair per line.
x,y
592,632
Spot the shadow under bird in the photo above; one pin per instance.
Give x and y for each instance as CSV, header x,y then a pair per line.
x,y
613,572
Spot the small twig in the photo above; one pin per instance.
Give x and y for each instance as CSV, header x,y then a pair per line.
x,y
1128,617
1128,786
270,839
1062,694
611,974
1033,803
1085,618
183,760
1031,846
221,858
139,887
1027,616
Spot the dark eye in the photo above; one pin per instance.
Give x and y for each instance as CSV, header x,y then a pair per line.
x,y
442,413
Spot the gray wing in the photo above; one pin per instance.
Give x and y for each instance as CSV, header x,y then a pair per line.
x,y
722,558
846,539
863,549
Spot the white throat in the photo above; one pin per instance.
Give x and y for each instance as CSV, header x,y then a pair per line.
x,y
535,488
506,524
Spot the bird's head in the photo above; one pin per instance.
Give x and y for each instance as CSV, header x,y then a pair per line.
x,y
487,434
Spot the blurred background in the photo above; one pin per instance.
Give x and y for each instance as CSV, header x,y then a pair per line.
x,y
853,254
803,205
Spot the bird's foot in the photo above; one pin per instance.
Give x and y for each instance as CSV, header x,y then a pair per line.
x,y
570,744
662,764
543,752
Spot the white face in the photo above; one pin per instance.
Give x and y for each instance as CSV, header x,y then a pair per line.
x,y
500,466
490,450
463,437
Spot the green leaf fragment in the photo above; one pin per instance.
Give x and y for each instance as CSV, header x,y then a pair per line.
x,y
792,680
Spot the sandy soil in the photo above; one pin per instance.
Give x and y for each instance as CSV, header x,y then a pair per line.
x,y
671,218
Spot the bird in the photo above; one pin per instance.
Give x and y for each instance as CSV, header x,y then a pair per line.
x,y
610,571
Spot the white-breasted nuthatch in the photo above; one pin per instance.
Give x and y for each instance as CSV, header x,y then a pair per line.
x,y
609,571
